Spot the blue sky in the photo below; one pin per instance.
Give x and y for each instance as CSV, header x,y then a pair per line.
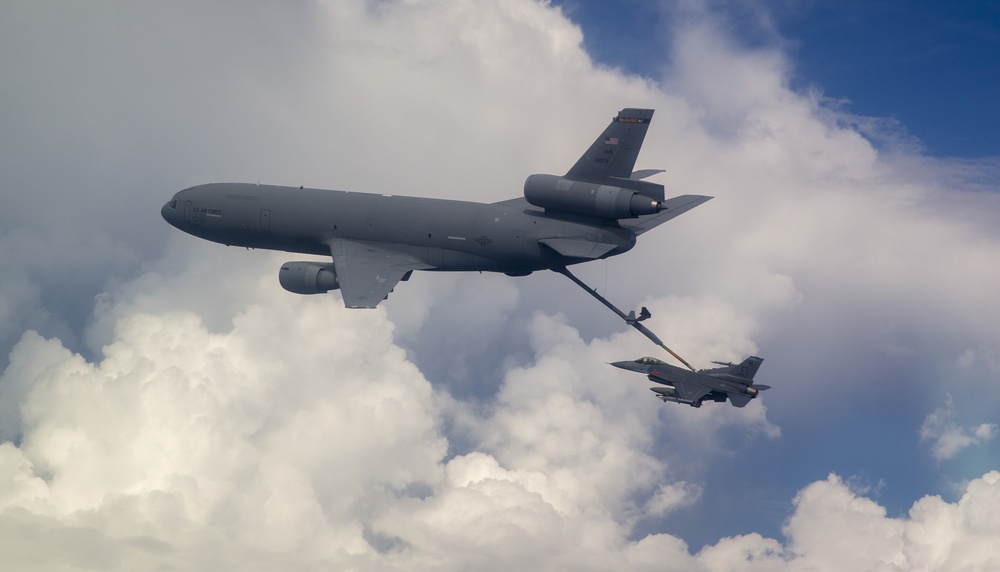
x,y
165,404
934,66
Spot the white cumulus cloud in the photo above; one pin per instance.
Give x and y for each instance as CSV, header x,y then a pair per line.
x,y
946,437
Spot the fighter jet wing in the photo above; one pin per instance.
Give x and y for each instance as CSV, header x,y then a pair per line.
x,y
367,273
691,390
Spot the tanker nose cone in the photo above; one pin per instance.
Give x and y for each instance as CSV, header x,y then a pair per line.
x,y
169,212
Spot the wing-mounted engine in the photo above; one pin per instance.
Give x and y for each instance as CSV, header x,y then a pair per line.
x,y
308,277
611,198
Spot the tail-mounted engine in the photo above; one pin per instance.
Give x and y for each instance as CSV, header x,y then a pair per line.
x,y
308,277
604,200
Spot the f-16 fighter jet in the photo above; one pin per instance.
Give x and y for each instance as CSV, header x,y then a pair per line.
x,y
731,381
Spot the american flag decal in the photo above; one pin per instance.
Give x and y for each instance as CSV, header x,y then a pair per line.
x,y
610,140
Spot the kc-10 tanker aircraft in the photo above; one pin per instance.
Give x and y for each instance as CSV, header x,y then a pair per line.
x,y
594,211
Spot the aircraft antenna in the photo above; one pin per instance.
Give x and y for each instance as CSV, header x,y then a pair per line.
x,y
630,319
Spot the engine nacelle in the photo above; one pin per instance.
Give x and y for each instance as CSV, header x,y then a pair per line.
x,y
589,199
308,277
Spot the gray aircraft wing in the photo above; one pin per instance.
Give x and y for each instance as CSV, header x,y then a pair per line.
x,y
367,273
691,390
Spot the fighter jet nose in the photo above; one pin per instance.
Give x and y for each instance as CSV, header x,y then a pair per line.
x,y
632,365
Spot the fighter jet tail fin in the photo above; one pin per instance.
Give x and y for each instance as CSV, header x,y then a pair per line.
x,y
747,368
613,154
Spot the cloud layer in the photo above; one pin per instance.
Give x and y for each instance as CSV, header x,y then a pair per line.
x,y
164,403
325,447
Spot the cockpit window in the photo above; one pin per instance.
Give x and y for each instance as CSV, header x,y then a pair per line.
x,y
650,361
173,204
